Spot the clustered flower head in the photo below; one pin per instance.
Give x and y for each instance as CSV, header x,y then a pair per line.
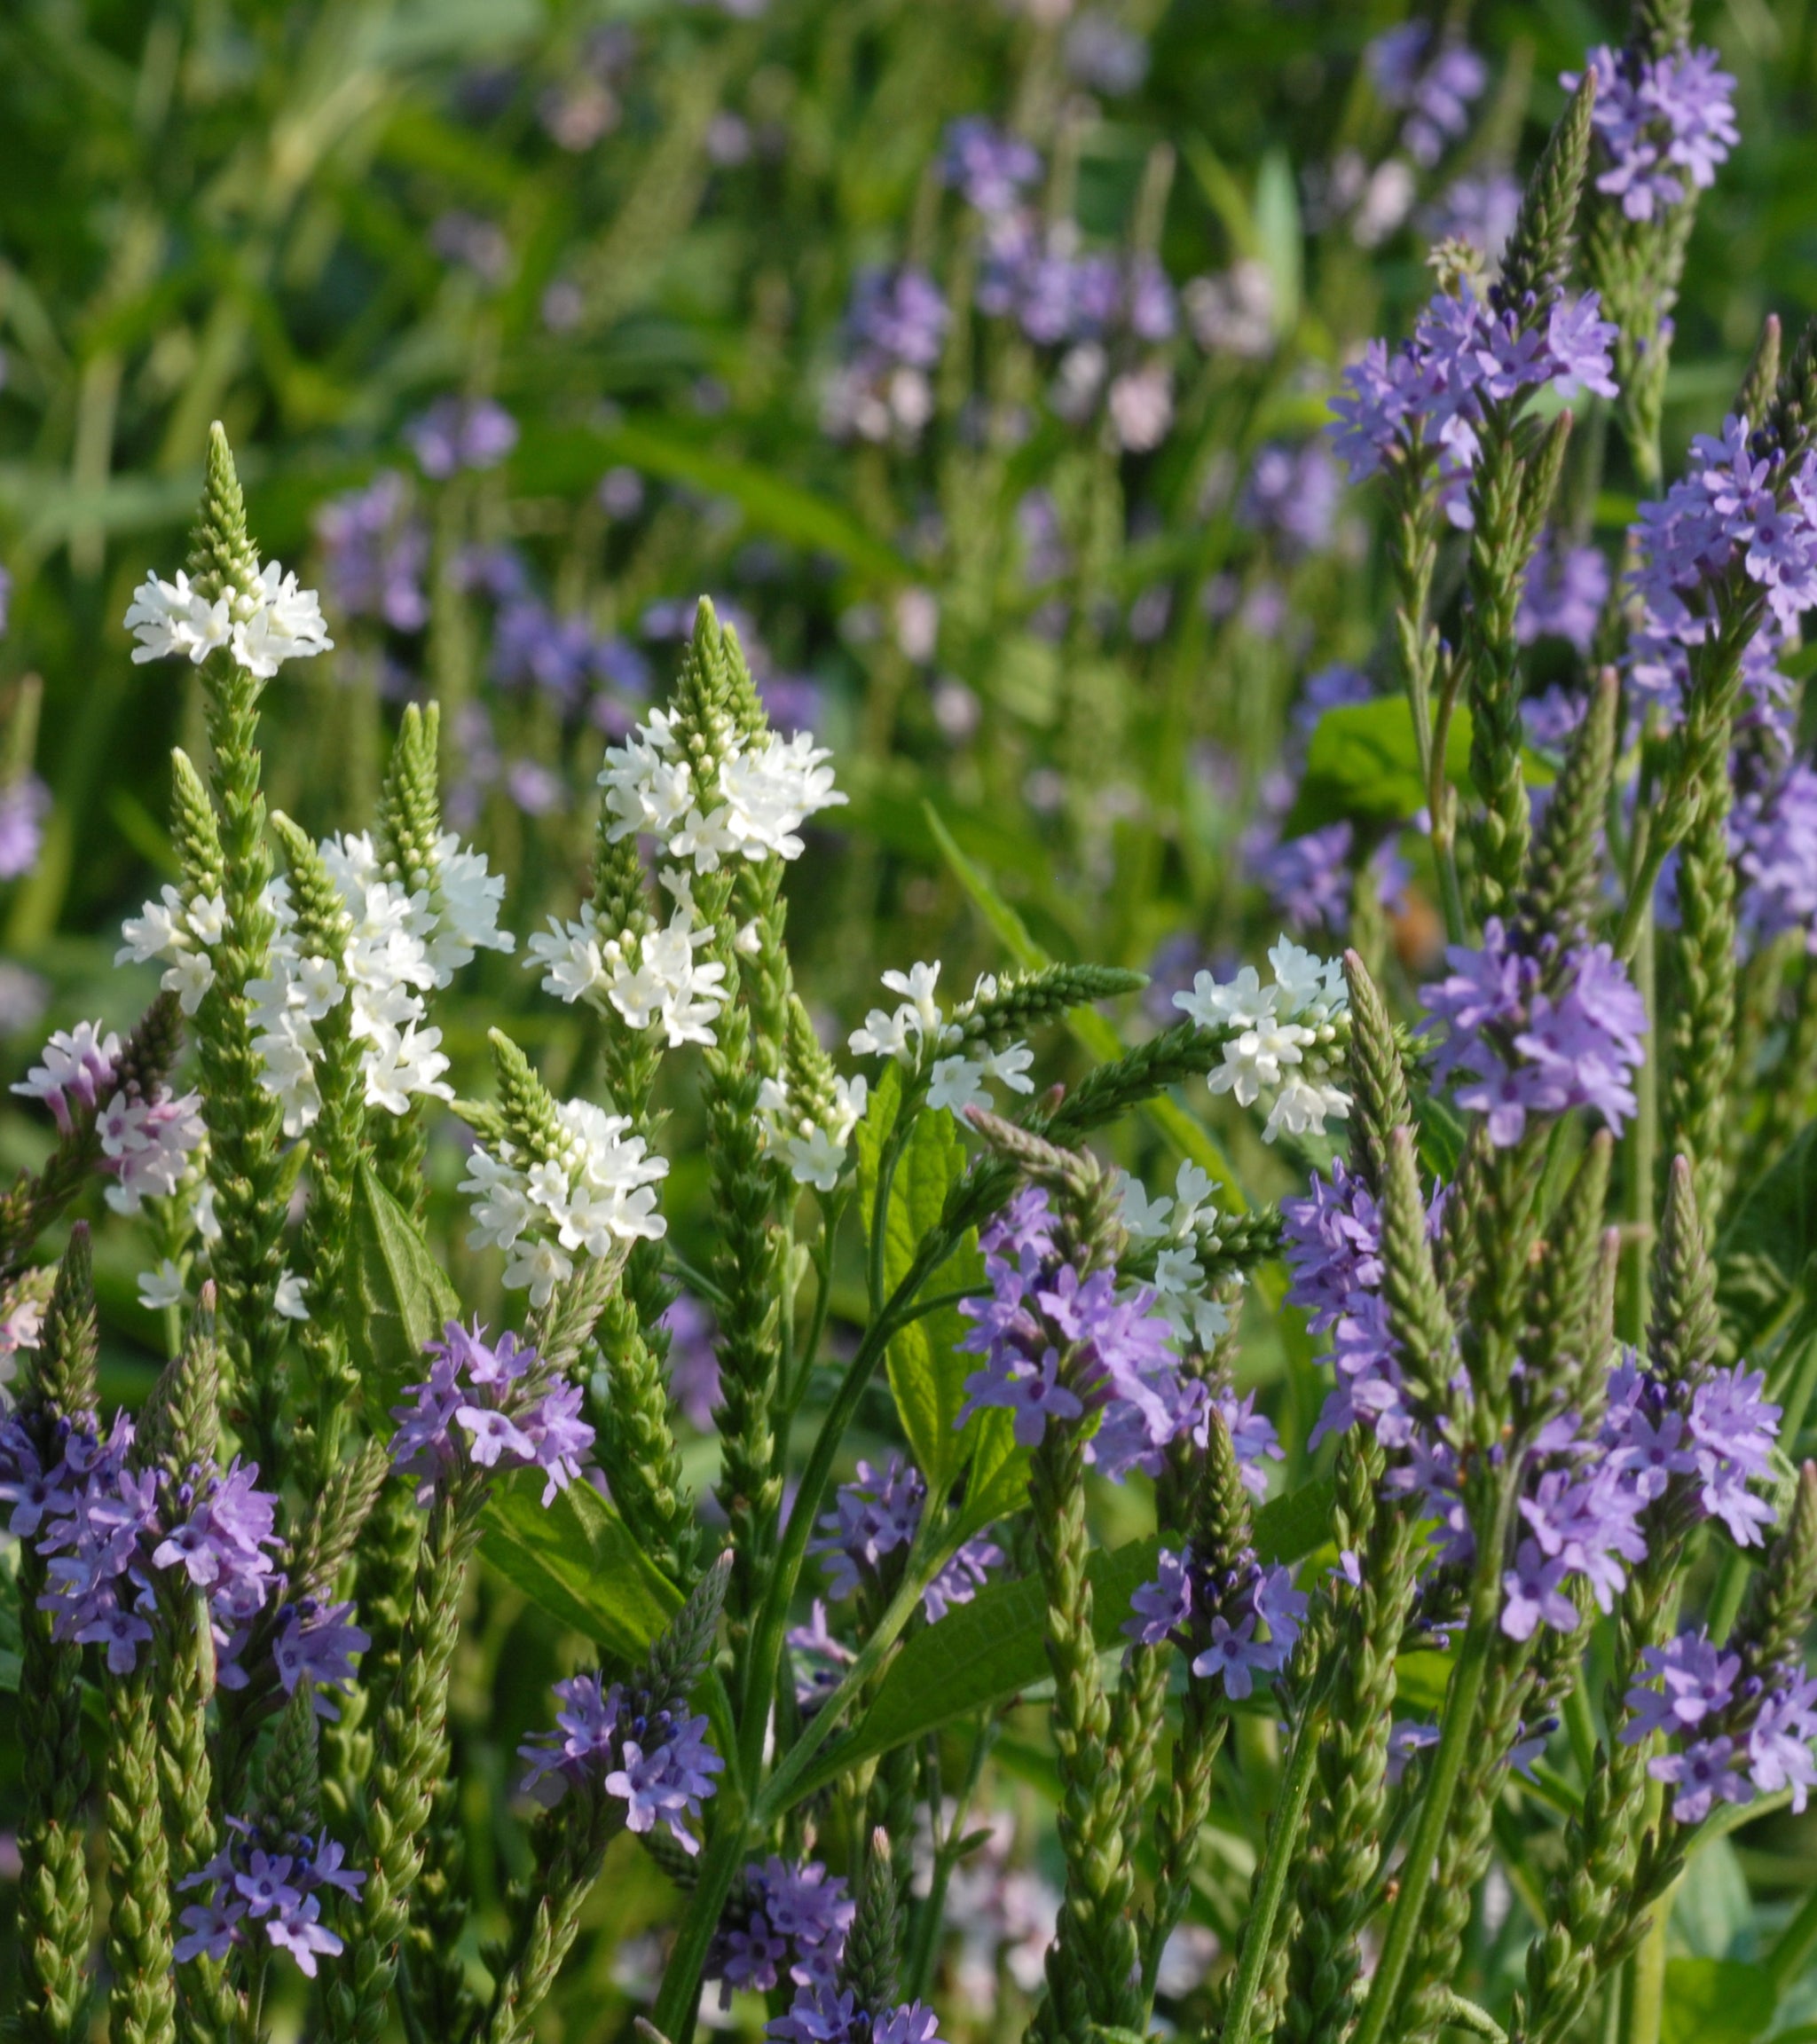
x,y
111,1531
1236,1623
830,2015
761,796
270,1883
896,326
1434,87
1732,507
781,1920
1537,1032
146,1144
458,433
1427,400
1059,1347
587,1181
1285,1040
651,977
1657,120
656,1763
491,1405
1773,838
261,627
1734,1733
957,1053
809,1127
1332,1240
878,1514
376,552
1176,1231
1565,590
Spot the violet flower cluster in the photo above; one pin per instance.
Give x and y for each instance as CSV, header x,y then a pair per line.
x,y
1434,86
110,1532
878,1514
658,1763
782,1922
1658,122
1119,1364
1536,1032
1236,1623
273,1884
833,2016
1565,590
1734,1734
1426,400
146,1144
1662,1455
1773,838
1331,1241
1726,509
489,1405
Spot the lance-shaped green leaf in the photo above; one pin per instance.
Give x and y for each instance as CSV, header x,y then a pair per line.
x,y
1363,764
578,1561
1769,1239
985,1653
1716,2002
398,1297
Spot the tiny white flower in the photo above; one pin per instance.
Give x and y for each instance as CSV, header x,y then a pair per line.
x,y
917,984
173,620
190,979
955,1083
541,1266
1145,1219
206,917
161,1288
287,1301
1011,1067
885,1036
1239,1003
815,1158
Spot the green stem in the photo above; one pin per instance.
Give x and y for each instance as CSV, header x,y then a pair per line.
x,y
1462,2015
1284,1832
1441,1790
1646,1998
679,1999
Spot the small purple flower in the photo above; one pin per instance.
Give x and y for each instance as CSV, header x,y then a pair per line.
x,y
1533,1595
25,802
456,434
992,169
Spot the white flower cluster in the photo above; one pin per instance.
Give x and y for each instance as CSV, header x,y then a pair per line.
x,y
762,797
1180,1229
1280,1040
653,980
184,934
812,1141
916,1030
263,627
596,1190
399,947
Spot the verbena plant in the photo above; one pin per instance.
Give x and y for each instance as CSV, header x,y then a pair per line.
x,y
1549,1423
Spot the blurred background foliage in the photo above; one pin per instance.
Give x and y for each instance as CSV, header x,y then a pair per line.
x,y
530,322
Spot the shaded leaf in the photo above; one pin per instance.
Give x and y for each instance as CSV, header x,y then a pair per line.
x,y
399,1297
1363,764
578,1560
1716,2002
1769,1239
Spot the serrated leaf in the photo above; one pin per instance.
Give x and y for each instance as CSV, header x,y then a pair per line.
x,y
983,1654
399,1297
1716,2002
1769,1239
578,1562
927,1371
